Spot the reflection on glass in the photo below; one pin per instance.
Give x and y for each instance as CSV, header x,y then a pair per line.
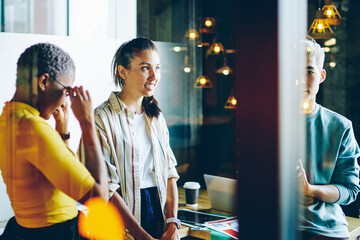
x,y
35,16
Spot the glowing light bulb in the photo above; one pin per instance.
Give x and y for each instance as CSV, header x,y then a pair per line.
x,y
208,23
187,69
192,36
332,64
327,49
217,48
233,101
329,13
202,81
177,49
226,72
320,26
305,105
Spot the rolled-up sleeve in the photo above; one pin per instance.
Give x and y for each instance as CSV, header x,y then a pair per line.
x,y
172,173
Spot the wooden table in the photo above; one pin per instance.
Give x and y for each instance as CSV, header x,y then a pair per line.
x,y
203,206
353,227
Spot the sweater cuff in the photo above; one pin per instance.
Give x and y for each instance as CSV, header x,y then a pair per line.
x,y
344,194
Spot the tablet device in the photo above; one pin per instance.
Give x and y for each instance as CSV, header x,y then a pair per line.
x,y
195,218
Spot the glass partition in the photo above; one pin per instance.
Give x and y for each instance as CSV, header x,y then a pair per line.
x,y
200,36
39,17
339,91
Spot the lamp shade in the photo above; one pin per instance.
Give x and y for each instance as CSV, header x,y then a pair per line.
x,y
319,28
331,14
231,102
192,34
203,82
225,69
208,25
215,49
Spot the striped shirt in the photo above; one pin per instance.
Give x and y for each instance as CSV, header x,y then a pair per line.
x,y
116,131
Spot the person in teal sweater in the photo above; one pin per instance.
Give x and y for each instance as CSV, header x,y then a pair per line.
x,y
329,176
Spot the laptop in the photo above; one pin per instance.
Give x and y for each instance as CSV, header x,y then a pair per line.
x,y
221,192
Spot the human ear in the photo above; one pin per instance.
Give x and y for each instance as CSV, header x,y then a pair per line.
x,y
43,81
122,71
322,75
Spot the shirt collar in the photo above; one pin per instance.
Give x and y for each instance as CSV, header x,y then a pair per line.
x,y
119,106
314,113
116,104
12,106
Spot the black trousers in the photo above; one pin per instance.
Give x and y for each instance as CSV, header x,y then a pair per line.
x,y
60,231
152,220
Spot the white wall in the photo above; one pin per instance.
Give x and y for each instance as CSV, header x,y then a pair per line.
x,y
92,44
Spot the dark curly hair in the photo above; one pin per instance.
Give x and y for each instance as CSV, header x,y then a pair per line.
x,y
43,58
123,56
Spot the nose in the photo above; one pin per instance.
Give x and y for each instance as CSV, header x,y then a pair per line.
x,y
152,74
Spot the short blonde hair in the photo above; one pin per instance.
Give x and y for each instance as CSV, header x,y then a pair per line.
x,y
314,50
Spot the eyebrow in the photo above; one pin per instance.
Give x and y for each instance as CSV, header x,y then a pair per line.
x,y
142,63
310,67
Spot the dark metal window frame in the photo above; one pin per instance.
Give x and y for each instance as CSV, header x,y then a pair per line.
x,y
2,15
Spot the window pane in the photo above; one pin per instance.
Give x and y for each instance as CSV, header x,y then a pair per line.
x,y
35,16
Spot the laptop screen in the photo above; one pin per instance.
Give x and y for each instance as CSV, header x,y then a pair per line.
x,y
221,192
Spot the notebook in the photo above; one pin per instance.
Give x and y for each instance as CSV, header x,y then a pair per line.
x,y
221,192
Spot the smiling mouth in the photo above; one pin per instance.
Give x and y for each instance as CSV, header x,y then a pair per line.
x,y
150,86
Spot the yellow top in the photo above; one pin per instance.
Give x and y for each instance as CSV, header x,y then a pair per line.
x,y
42,175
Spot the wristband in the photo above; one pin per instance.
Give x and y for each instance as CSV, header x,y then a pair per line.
x,y
65,136
174,220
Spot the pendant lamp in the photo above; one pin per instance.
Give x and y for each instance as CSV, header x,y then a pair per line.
x,y
320,29
331,14
231,102
203,82
225,69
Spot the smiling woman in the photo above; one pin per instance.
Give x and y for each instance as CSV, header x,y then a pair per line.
x,y
135,143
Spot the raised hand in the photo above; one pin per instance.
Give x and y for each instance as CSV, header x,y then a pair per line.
x,y
81,105
61,116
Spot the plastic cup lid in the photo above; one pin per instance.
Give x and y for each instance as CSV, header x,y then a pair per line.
x,y
192,185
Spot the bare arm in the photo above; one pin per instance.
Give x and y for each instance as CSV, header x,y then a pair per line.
x,y
171,207
130,222
82,108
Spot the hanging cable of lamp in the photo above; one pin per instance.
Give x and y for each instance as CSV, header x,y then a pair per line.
x,y
225,69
